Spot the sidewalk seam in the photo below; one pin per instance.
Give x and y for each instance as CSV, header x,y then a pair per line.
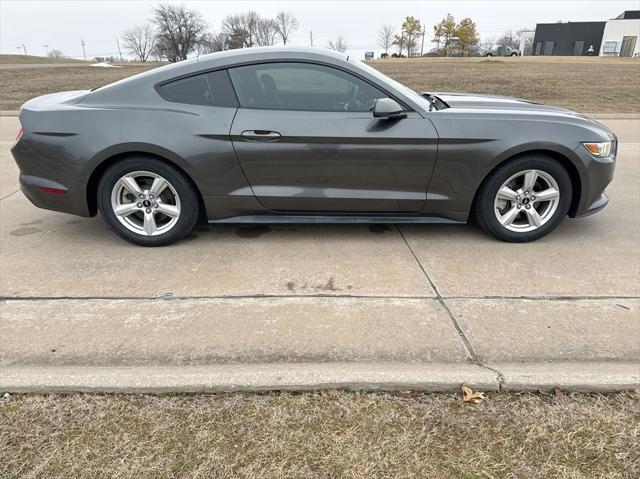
x,y
454,321
171,297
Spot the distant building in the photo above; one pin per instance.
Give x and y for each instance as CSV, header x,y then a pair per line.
x,y
573,38
526,41
620,37
617,37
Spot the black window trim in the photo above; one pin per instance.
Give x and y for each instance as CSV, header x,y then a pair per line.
x,y
157,86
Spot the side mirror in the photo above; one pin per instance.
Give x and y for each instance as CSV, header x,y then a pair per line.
x,y
388,108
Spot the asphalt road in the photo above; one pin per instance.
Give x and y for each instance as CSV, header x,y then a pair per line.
x,y
427,306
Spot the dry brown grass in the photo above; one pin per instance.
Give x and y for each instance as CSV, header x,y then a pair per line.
x,y
32,59
22,84
329,434
585,84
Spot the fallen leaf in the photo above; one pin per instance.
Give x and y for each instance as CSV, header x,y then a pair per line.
x,y
469,395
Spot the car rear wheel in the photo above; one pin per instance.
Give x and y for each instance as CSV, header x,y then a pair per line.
x,y
488,55
524,199
148,202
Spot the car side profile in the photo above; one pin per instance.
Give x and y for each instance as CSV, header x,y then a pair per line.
x,y
268,135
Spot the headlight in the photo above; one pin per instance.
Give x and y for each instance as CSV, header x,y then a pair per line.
x,y
600,150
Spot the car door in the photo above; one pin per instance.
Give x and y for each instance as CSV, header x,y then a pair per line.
x,y
307,142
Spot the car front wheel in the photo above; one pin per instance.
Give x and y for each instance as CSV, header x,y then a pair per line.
x,y
148,202
524,199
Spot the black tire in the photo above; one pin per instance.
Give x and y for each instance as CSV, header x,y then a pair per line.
x,y
488,55
189,200
514,54
483,211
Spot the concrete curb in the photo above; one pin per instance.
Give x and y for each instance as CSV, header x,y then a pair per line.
x,y
572,376
586,377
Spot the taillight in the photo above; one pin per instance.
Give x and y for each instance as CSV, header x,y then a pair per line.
x,y
20,133
53,191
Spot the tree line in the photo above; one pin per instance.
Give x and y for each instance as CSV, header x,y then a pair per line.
x,y
175,31
451,38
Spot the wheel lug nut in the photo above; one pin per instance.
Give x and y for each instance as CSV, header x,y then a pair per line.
x,y
148,210
518,206
533,197
151,196
140,196
139,205
528,206
518,197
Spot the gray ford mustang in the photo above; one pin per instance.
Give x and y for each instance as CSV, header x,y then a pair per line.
x,y
271,135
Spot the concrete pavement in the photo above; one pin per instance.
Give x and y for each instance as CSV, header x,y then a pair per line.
x,y
304,306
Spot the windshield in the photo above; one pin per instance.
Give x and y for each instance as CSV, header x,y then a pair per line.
x,y
416,97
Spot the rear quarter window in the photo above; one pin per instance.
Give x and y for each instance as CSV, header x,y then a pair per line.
x,y
208,89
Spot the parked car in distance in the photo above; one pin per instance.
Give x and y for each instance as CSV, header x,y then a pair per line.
x,y
502,51
275,135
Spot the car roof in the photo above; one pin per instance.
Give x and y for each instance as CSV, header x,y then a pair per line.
x,y
271,53
218,60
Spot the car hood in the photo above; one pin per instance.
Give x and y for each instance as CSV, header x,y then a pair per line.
x,y
494,102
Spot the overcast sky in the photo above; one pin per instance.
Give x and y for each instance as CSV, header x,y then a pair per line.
x,y
61,24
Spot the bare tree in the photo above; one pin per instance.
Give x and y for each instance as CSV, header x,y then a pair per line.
x,y
55,53
339,45
241,29
266,32
510,39
178,31
488,44
234,28
140,40
212,42
386,35
285,24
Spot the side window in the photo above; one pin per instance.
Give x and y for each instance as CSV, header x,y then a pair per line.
x,y
302,86
210,89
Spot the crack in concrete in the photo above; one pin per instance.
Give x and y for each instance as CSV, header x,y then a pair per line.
x,y
7,196
454,321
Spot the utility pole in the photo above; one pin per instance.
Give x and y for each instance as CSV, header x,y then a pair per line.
x,y
84,53
46,47
119,51
424,30
311,37
24,49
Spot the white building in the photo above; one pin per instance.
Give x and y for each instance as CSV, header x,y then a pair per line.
x,y
526,41
620,37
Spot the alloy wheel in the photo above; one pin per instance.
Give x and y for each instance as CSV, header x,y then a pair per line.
x,y
527,200
145,203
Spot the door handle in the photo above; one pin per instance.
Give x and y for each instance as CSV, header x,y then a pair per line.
x,y
260,135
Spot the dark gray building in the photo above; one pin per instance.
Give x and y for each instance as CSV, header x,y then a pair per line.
x,y
573,38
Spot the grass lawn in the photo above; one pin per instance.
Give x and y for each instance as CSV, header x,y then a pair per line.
x,y
320,435
584,84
